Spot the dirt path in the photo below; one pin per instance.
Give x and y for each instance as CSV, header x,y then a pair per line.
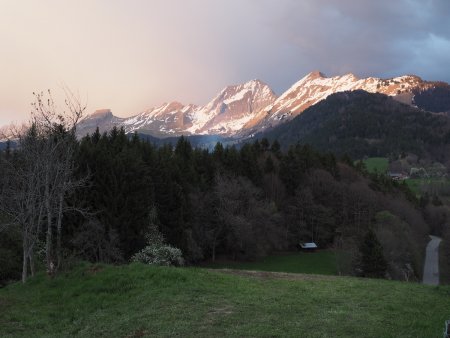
x,y
431,267
274,275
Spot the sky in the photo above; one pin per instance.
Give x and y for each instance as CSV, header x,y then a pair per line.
x,y
130,55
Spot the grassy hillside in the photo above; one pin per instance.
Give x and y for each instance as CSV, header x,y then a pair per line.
x,y
419,185
138,301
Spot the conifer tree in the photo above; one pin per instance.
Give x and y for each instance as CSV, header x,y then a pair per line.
x,y
265,144
373,263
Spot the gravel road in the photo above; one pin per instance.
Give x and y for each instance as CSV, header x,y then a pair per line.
x,y
431,267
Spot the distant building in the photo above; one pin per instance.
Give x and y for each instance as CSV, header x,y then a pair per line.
x,y
398,176
308,246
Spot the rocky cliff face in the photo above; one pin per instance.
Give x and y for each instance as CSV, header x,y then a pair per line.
x,y
229,111
102,118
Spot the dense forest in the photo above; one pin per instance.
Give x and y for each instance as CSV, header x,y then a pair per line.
x,y
228,203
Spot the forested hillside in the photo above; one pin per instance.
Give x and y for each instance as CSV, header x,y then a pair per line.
x,y
363,124
435,99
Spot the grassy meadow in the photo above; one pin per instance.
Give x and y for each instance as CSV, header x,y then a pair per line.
x,y
376,164
418,185
142,301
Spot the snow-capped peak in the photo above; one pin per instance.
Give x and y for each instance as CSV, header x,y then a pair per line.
x,y
232,108
314,75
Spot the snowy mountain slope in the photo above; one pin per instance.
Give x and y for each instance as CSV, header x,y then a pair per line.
x,y
232,108
171,118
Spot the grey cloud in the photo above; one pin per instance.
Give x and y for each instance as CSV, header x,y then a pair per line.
x,y
369,38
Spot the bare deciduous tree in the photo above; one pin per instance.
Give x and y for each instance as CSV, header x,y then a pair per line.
x,y
39,177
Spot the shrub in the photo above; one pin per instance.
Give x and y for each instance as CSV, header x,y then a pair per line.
x,y
156,254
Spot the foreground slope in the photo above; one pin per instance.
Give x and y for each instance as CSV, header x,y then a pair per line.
x,y
138,301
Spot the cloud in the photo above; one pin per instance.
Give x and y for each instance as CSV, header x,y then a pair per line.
x,y
129,56
370,38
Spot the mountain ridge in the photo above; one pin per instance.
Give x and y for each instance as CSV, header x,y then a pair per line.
x,y
244,109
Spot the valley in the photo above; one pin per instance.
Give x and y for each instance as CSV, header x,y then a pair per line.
x,y
199,168
244,198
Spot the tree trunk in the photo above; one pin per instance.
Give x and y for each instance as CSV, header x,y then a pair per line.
x,y
286,233
48,244
214,250
32,266
48,238
25,257
58,233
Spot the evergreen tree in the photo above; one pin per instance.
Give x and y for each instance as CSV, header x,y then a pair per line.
x,y
95,137
373,263
275,147
265,144
269,166
218,152
248,160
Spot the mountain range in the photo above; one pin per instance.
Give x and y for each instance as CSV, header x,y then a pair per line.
x,y
245,109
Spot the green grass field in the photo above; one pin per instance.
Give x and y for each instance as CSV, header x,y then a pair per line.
x,y
376,164
416,184
144,301
321,262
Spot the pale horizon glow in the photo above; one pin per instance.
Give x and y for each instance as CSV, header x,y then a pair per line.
x,y
129,56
